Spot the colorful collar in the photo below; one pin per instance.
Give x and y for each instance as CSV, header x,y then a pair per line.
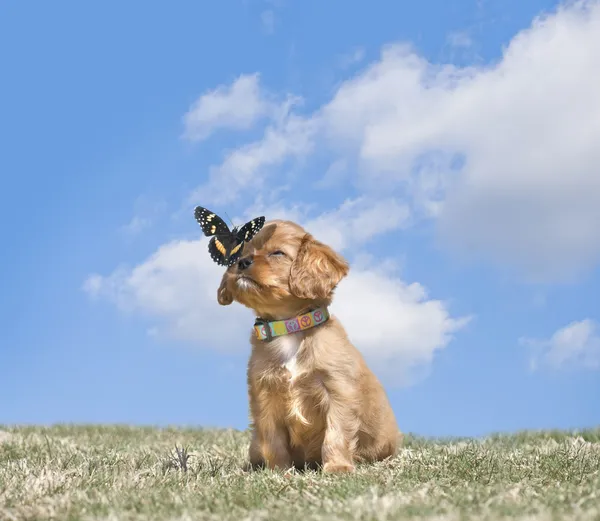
x,y
266,330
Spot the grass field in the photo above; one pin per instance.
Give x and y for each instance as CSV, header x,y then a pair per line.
x,y
114,473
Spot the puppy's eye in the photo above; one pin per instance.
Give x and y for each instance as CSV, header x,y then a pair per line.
x,y
276,253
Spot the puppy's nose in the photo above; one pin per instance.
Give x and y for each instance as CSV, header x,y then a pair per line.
x,y
245,263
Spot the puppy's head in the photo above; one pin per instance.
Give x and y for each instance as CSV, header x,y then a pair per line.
x,y
283,270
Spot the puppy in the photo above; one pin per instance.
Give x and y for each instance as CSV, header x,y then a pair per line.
x,y
313,400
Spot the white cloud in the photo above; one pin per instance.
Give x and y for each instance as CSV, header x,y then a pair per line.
x,y
334,175
277,210
353,223
177,286
528,194
575,345
393,323
358,220
94,285
289,136
504,155
237,106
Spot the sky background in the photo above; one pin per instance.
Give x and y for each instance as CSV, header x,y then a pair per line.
x,y
448,149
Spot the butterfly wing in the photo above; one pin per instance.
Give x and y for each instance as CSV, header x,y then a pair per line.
x,y
210,222
235,253
250,229
218,251
224,252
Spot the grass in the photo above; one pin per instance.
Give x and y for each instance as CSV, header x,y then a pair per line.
x,y
121,473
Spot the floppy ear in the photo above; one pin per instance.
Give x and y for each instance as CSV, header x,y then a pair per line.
x,y
224,295
316,270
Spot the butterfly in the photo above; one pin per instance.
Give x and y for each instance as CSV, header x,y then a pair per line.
x,y
226,245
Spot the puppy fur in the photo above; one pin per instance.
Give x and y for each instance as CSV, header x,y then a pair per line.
x,y
313,400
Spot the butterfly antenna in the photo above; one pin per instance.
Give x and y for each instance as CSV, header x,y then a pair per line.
x,y
232,225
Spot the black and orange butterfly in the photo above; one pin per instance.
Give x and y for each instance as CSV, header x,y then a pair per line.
x,y
226,245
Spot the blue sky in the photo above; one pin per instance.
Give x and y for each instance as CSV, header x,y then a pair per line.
x,y
446,148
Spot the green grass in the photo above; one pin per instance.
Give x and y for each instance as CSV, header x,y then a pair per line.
x,y
122,473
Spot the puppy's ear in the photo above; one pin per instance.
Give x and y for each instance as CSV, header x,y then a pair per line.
x,y
316,270
224,295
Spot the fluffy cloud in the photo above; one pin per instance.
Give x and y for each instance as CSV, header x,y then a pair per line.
x,y
358,220
288,136
527,191
352,224
237,107
395,324
504,155
177,286
575,345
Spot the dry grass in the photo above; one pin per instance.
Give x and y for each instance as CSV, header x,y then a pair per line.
x,y
121,473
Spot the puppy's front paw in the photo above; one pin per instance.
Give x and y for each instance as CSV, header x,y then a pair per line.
x,y
332,467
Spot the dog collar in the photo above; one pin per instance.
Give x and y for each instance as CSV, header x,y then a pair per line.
x,y
266,330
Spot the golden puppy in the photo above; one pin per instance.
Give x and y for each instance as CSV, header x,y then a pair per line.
x,y
313,400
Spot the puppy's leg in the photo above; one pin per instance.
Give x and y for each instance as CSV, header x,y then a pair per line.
x,y
254,453
270,444
339,443
270,447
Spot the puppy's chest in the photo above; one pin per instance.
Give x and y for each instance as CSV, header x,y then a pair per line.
x,y
286,351
301,393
